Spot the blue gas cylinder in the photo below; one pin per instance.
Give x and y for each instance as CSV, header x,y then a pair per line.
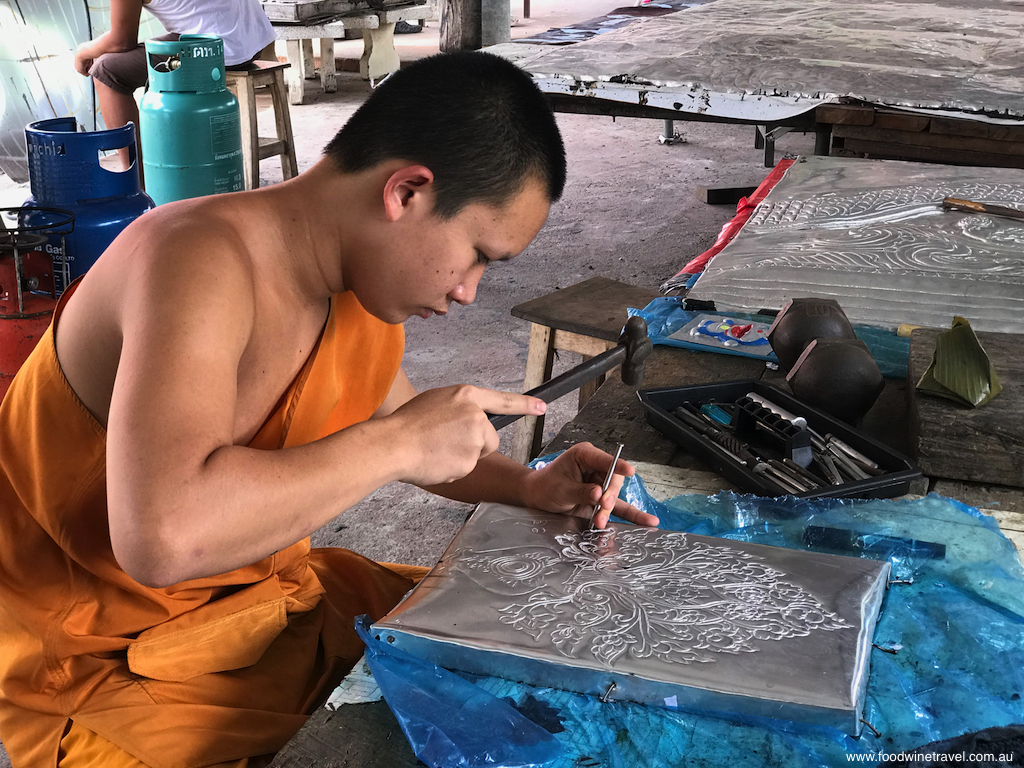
x,y
65,172
191,137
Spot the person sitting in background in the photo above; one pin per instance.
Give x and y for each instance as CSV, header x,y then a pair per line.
x,y
116,60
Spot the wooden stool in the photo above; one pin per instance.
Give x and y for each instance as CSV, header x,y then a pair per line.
x,y
244,84
585,318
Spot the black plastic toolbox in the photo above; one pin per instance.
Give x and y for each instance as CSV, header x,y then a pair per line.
x,y
898,472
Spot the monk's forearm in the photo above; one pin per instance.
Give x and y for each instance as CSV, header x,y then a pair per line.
x,y
496,478
242,505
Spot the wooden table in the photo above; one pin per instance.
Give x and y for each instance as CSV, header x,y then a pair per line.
x,y
585,318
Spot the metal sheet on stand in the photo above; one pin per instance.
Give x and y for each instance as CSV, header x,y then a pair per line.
x,y
872,235
658,617
744,59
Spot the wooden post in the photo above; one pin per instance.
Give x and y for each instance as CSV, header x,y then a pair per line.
x,y
460,25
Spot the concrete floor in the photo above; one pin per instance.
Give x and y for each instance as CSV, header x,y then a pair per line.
x,y
629,213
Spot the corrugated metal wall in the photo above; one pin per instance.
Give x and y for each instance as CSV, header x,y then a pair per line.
x,y
38,39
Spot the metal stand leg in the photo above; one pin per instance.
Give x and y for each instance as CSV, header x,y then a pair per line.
x,y
822,138
670,135
766,137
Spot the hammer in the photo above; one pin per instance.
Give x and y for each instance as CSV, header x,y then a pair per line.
x,y
631,351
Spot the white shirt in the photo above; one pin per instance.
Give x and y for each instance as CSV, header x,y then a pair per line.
x,y
241,24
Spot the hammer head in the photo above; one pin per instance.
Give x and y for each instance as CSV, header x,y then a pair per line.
x,y
638,347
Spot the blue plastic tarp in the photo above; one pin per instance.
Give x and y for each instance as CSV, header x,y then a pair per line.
x,y
949,655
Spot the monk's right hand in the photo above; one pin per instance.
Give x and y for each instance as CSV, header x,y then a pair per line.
x,y
447,431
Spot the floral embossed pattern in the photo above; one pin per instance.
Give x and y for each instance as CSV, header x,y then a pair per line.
x,y
668,597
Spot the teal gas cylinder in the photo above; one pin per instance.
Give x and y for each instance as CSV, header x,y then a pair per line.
x,y
189,122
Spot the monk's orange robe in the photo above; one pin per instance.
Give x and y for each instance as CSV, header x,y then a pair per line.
x,y
204,672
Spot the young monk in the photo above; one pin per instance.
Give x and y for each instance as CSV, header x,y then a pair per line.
x,y
225,380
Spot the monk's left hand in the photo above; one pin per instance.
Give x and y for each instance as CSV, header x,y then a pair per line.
x,y
571,485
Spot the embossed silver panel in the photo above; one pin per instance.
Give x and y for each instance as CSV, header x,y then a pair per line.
x,y
872,235
671,618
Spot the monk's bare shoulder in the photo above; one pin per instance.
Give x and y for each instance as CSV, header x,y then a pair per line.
x,y
180,266
204,235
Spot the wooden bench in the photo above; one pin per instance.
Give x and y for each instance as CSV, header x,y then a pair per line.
x,y
585,318
379,57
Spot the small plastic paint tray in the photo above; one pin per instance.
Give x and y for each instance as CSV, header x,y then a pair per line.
x,y
898,472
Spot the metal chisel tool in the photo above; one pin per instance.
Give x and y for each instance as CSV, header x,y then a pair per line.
x,y
607,484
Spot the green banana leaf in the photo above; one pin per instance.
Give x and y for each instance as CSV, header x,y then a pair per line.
x,y
960,369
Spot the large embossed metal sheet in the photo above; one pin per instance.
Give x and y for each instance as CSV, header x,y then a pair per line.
x,y
872,235
658,617
741,58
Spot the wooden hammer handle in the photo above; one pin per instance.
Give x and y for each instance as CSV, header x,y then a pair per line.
x,y
969,206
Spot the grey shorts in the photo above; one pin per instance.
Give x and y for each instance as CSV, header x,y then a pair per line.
x,y
126,71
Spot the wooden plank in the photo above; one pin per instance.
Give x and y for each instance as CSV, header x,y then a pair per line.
x,y
298,12
283,125
332,29
589,389
901,121
724,195
588,346
353,736
305,11
539,360
244,90
664,483
883,151
595,307
845,114
955,127
926,139
271,147
408,13
983,444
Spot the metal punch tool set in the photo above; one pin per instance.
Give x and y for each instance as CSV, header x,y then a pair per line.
x,y
767,442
